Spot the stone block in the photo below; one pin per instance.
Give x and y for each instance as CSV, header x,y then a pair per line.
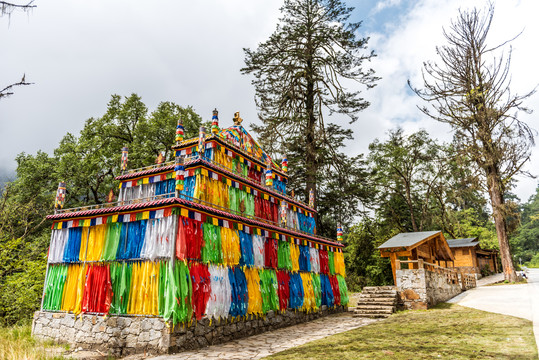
x,y
154,334
134,328
131,341
180,341
146,324
144,337
200,330
409,294
159,324
418,305
112,321
123,321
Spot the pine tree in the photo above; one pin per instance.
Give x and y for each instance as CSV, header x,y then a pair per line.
x,y
300,72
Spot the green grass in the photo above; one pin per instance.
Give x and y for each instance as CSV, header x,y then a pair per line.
x,y
445,332
17,343
505,282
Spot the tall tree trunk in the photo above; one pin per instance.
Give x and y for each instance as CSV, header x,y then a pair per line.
x,y
410,205
497,201
310,155
310,148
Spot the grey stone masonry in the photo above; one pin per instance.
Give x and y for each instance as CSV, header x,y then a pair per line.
x,y
126,335
423,288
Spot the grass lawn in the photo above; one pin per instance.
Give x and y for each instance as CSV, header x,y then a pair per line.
x,y
446,332
523,281
17,343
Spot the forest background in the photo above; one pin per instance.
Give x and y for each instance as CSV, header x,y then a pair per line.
x,y
405,182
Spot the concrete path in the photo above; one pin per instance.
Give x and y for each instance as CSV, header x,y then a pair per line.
x,y
520,300
265,344
492,279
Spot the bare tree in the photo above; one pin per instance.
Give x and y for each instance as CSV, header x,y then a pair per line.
x,y
469,89
7,8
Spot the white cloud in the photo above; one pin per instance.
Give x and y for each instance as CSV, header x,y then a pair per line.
x,y
381,5
412,40
78,53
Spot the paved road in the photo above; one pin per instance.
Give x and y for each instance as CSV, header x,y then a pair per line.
x,y
520,300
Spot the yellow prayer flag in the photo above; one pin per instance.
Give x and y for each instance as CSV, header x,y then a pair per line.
x,y
145,215
184,213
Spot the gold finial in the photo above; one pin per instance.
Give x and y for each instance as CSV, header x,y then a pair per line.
x,y
237,120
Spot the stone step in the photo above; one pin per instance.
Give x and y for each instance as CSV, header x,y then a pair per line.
x,y
378,288
379,291
374,316
374,311
377,296
375,307
378,301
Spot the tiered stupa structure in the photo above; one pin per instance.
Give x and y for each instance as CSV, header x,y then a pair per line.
x,y
195,252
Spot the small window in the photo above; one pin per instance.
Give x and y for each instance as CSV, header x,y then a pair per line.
x,y
465,252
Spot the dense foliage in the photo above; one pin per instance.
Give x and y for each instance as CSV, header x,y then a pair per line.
x,y
88,163
300,74
417,184
525,242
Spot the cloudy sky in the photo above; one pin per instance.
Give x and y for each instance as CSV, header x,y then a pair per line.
x,y
77,53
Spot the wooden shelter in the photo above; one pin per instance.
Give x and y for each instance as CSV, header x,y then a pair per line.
x,y
469,255
430,246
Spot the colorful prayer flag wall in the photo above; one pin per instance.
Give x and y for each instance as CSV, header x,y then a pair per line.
x,y
126,268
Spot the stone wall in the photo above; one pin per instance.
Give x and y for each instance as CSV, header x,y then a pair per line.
x,y
422,288
125,335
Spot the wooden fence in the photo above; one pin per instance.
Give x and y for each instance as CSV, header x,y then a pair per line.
x,y
452,275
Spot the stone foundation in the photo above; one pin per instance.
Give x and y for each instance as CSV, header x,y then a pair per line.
x,y
422,288
125,335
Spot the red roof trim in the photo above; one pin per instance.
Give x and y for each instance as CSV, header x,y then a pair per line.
x,y
194,206
195,162
145,172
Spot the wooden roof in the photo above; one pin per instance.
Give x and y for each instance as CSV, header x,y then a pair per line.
x,y
467,242
412,240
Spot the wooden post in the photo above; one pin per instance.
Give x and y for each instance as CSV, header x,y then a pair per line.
x,y
420,264
393,258
397,264
462,281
